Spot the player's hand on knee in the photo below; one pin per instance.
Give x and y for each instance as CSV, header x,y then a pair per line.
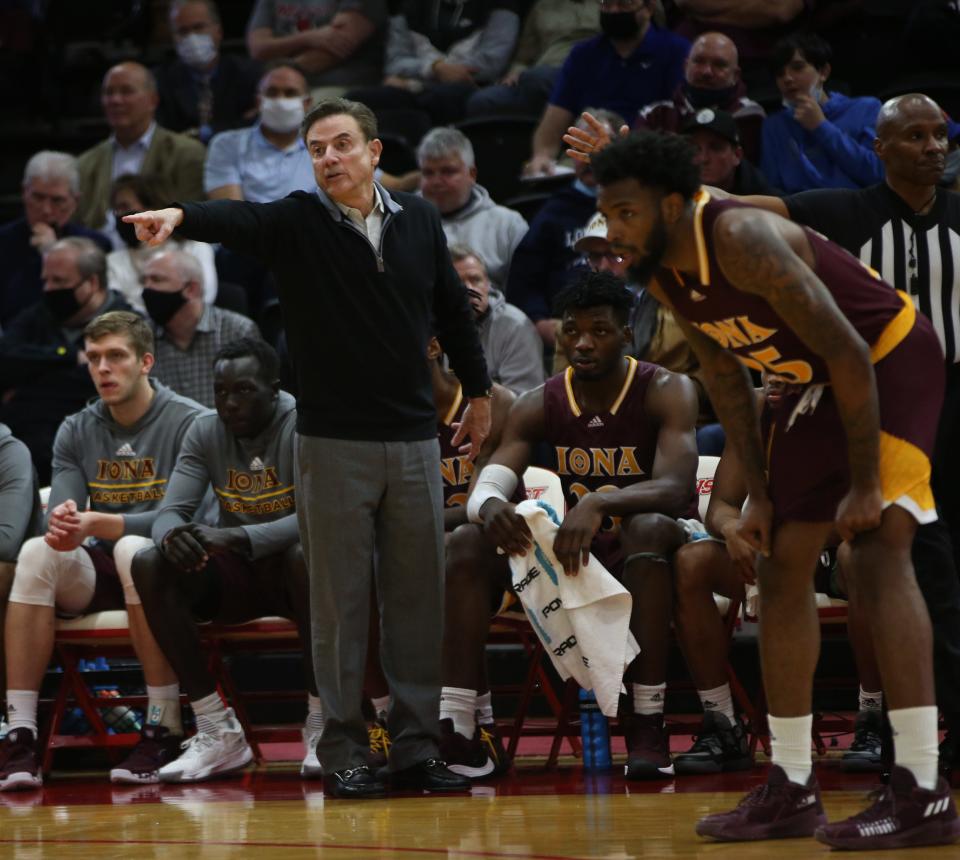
x,y
571,546
505,528
64,527
182,549
859,511
756,524
215,540
742,554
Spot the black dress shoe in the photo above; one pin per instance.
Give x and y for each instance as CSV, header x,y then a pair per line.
x,y
429,775
354,782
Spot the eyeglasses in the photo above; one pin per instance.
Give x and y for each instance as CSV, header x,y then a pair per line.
x,y
595,258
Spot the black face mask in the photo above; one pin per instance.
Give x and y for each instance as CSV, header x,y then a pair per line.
x,y
62,304
162,306
127,232
701,97
619,26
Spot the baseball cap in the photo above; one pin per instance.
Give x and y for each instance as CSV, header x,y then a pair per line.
x,y
596,229
718,121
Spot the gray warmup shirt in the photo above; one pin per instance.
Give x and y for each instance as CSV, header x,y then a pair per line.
x,y
20,516
121,470
253,480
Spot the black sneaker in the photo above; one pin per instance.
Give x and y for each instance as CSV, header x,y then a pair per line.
x,y
465,756
719,747
493,744
865,753
379,740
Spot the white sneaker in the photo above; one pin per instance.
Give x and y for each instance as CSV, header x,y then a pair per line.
x,y
209,754
4,728
311,769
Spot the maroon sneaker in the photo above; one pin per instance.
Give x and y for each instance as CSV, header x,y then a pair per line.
x,y
18,761
464,756
778,809
903,815
156,748
648,747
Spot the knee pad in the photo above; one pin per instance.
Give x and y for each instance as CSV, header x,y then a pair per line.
x,y
47,577
123,552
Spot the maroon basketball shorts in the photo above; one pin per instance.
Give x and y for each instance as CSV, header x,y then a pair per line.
x,y
807,461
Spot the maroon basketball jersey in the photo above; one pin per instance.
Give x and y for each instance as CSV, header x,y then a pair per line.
x,y
748,326
592,452
455,468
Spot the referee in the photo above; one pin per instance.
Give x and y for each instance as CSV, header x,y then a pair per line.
x,y
908,229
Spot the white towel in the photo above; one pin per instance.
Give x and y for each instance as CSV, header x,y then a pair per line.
x,y
584,620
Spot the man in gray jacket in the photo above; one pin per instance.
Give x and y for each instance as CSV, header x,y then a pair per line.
x,y
111,463
249,566
511,345
470,217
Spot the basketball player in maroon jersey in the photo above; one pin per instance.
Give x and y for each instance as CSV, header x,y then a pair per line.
x,y
853,455
621,435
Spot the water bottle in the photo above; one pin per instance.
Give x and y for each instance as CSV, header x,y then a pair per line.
x,y
594,733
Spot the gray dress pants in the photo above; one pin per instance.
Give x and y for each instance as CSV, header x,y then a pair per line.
x,y
374,509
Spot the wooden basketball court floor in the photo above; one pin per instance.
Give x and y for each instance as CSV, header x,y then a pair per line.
x,y
270,814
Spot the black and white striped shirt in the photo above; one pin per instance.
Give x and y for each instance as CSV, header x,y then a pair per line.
x,y
880,229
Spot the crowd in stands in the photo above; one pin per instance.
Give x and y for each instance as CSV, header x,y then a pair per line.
x,y
752,85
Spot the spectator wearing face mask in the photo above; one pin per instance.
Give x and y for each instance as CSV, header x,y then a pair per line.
x,y
188,332
820,139
202,91
125,266
43,374
268,160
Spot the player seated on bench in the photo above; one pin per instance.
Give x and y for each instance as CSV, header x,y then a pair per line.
x,y
724,565
621,436
118,453
249,566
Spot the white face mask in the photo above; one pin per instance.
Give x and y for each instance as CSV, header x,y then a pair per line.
x,y
197,50
281,115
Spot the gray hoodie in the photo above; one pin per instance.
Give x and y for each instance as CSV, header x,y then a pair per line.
x,y
493,231
511,345
20,516
121,470
253,480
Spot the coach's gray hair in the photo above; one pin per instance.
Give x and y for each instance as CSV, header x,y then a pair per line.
x,y
443,142
51,165
177,5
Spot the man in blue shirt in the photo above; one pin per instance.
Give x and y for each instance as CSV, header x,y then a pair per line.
x,y
630,65
819,139
268,160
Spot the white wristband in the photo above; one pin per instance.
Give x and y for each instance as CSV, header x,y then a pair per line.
x,y
495,482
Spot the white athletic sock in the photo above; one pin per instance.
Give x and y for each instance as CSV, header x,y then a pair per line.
x,y
315,718
484,709
211,713
870,701
22,709
718,699
459,705
648,700
915,743
790,739
163,707
381,705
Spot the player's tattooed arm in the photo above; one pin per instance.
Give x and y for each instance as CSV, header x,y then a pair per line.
x,y
761,255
